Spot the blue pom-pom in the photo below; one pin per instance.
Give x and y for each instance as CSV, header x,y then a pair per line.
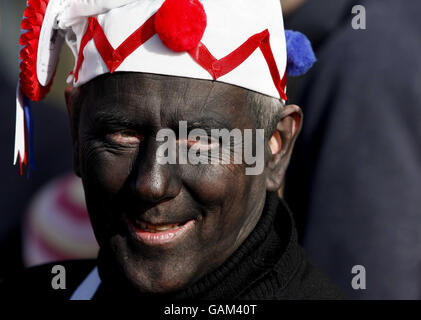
x,y
300,54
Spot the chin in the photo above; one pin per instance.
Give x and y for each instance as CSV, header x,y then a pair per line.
x,y
148,282
154,276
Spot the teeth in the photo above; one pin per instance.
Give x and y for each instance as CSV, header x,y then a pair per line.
x,y
163,228
157,228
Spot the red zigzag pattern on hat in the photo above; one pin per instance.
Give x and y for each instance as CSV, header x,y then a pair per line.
x,y
113,58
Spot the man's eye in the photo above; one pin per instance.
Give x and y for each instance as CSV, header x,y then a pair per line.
x,y
126,137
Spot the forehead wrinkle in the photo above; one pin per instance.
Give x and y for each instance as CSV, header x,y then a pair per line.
x,y
125,93
202,107
149,98
207,117
170,100
231,104
186,98
212,99
208,98
129,105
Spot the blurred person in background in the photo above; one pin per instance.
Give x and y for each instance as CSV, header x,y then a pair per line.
x,y
53,144
56,226
358,159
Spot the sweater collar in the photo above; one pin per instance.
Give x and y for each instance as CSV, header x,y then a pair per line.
x,y
270,248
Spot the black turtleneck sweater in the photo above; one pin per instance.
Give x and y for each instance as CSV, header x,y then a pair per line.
x,y
269,265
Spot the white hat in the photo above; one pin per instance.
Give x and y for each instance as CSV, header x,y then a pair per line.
x,y
240,42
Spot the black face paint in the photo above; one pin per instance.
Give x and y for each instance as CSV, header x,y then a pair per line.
x,y
127,190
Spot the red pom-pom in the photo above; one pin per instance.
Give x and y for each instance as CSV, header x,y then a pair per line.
x,y
181,24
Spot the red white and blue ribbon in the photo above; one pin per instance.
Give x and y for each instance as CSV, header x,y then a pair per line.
x,y
29,88
24,137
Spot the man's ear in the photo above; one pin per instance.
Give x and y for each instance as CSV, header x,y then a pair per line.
x,y
281,145
70,94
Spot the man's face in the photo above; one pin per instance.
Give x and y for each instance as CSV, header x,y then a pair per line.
x,y
163,226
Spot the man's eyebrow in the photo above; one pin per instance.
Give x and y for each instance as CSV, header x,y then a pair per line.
x,y
114,118
206,124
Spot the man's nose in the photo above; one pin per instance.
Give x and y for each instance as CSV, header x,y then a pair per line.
x,y
155,182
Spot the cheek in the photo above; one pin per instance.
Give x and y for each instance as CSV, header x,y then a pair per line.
x,y
214,184
226,195
104,172
103,175
229,200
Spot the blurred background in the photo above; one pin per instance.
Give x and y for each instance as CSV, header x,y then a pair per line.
x,y
355,178
354,181
43,217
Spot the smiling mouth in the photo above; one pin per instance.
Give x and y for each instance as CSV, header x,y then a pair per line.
x,y
159,234
157,228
